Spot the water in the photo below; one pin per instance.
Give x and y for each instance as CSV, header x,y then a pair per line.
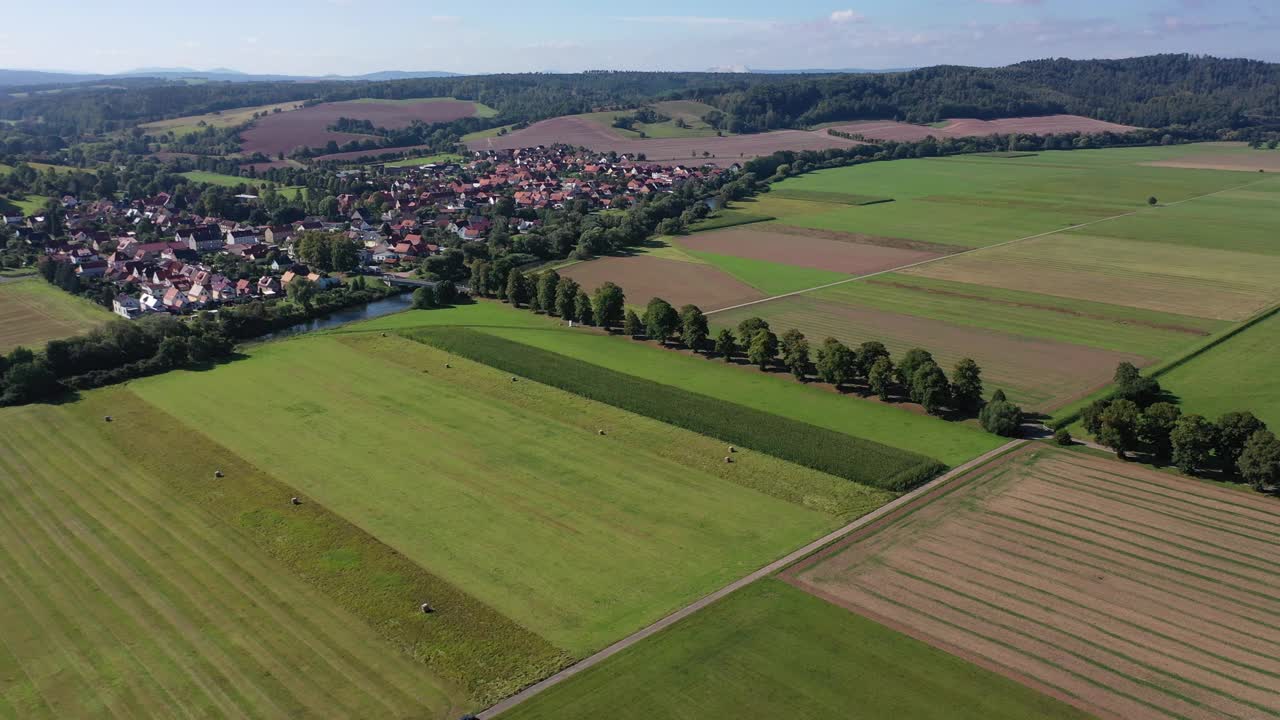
x,y
375,309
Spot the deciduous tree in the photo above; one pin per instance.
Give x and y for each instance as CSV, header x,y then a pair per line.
x,y
880,378
795,353
726,347
693,327
966,384
631,324
660,320
763,348
1119,427
609,305
1193,439
835,362
1259,462
1234,430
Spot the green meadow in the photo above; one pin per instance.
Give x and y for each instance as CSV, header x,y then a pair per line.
x,y
504,489
210,178
770,278
773,651
1238,374
33,312
948,442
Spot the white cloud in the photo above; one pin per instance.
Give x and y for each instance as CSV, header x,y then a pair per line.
x,y
845,16
699,20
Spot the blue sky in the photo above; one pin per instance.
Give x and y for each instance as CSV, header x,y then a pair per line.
x,y
358,36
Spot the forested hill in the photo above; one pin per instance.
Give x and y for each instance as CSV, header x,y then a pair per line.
x,y
1153,91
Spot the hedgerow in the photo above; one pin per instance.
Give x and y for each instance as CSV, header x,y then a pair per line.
x,y
861,461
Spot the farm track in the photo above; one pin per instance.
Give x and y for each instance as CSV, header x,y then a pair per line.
x,y
908,499
971,251
1127,592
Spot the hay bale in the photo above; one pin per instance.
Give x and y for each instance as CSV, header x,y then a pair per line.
x,y
448,365
601,431
384,334
733,449
513,378
728,459
427,609
107,418
217,473
295,501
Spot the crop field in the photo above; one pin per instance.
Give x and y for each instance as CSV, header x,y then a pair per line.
x,y
760,242
308,127
1238,374
502,490
645,276
598,135
211,178
771,651
689,110
768,277
120,598
951,443
968,127
1040,373
33,312
1128,592
425,160
226,118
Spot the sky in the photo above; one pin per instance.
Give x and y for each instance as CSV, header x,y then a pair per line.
x,y
350,37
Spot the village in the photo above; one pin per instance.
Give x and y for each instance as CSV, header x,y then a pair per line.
x,y
160,259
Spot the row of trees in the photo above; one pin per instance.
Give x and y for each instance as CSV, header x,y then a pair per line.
x,y
1139,417
916,377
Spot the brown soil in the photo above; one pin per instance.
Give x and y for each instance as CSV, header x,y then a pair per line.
x,y
1268,160
862,239
1067,572
968,127
360,154
1036,306
729,149
760,243
284,132
642,277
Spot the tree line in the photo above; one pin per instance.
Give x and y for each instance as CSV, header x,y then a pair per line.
x,y
869,367
1139,417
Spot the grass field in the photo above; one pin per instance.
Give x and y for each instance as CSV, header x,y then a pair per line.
x,y
210,178
425,160
949,442
770,278
119,597
689,110
504,489
28,205
226,118
772,651
1239,374
1125,591
33,312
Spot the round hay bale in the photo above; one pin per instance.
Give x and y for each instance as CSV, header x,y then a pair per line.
x,y
427,609
601,431
448,365
728,459
217,473
384,334
733,449
513,378
295,501
107,418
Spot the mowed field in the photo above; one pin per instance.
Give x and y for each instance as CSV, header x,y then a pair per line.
x,y
505,489
1238,374
771,651
33,312
121,597
1128,592
969,127
1047,270
308,127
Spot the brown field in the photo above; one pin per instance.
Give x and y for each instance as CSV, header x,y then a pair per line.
x,y
284,132
762,242
643,277
1253,161
969,127
361,154
596,136
1128,592
1041,374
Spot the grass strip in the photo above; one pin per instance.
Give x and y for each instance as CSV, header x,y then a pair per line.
x,y
845,456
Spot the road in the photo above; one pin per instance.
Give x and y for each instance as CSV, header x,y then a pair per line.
x,y
1037,236
763,572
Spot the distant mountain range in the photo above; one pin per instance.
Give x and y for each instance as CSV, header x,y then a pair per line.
x,y
14,78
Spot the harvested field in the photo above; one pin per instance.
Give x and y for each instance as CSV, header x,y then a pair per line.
x,y
1042,374
596,136
1127,592
362,154
1201,282
761,242
968,127
643,277
1252,161
32,312
308,127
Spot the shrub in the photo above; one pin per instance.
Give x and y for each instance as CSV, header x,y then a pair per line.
x,y
1001,418
1063,437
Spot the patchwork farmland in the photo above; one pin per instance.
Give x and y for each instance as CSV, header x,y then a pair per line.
x,y
1125,591
1047,269
309,126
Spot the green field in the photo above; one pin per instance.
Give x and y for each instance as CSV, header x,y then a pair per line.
x,y
1239,374
691,111
425,160
773,651
120,596
949,442
28,205
769,278
33,312
210,178
504,489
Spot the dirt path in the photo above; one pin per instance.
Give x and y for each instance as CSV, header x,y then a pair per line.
x,y
975,250
763,572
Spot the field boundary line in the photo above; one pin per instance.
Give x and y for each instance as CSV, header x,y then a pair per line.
x,y
773,567
970,251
